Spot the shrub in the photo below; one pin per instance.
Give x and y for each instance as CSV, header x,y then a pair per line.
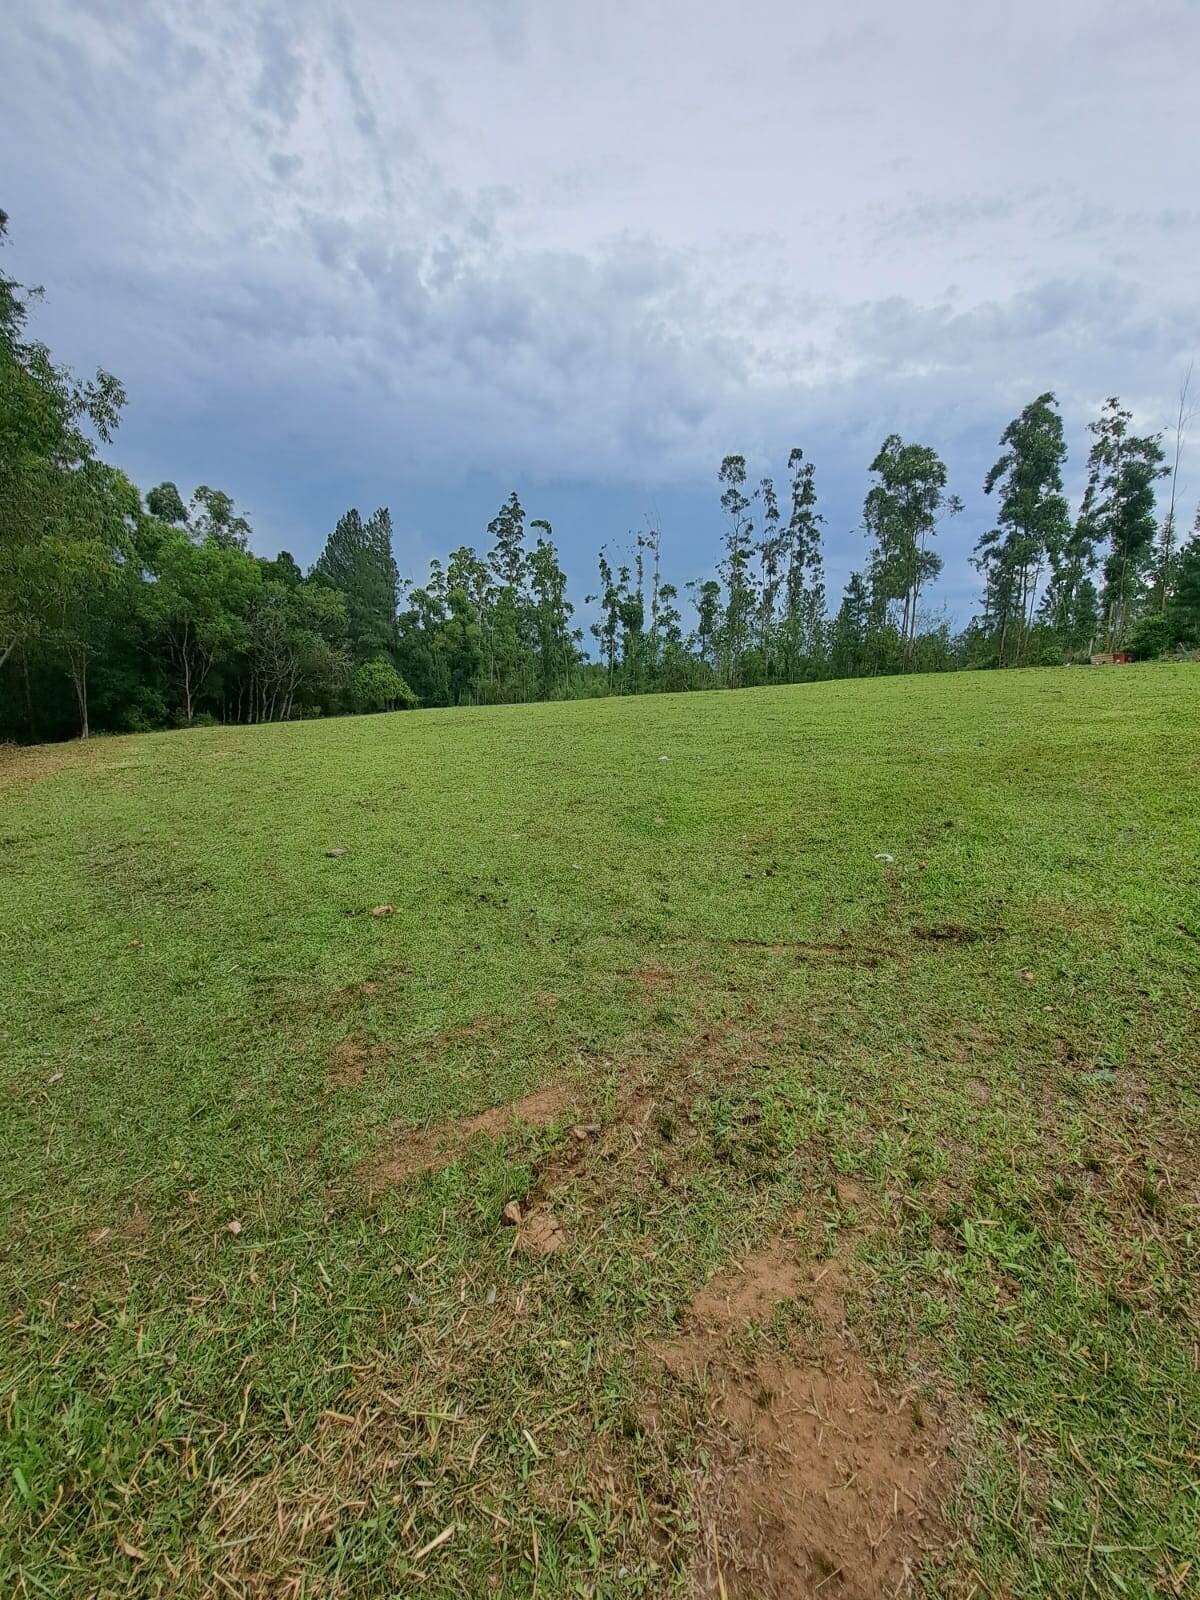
x,y
1149,637
377,686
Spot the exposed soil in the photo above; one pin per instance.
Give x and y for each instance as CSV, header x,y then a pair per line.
x,y
351,1061
540,1233
134,1228
825,1482
427,1149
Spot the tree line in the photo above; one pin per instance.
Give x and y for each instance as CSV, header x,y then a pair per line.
x,y
122,611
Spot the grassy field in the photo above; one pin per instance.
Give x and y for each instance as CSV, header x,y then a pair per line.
x,y
851,1034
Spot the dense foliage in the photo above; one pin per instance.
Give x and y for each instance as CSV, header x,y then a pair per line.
x,y
127,612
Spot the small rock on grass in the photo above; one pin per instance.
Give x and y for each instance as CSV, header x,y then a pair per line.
x,y
339,850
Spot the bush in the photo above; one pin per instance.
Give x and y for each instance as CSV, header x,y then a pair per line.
x,y
1149,637
377,686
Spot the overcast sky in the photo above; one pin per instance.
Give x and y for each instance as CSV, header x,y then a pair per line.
x,y
423,253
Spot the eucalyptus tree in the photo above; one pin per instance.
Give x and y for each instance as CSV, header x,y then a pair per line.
x,y
296,649
772,548
552,613
512,652
1165,554
901,514
1070,605
804,605
736,571
706,637
211,516
1123,468
608,625
650,543
1033,524
471,574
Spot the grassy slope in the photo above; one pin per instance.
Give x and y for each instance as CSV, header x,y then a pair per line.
x,y
315,1395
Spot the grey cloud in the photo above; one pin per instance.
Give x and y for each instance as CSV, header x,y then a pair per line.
x,y
281,69
410,244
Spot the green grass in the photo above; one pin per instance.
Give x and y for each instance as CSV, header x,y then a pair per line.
x,y
299,1406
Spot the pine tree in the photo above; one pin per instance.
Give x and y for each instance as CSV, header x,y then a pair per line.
x,y
848,634
357,561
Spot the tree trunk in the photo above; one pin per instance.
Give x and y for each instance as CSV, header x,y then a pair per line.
x,y
78,668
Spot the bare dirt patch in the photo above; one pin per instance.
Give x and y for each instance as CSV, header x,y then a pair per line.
x,y
134,1228
352,1060
538,1231
824,1481
427,1149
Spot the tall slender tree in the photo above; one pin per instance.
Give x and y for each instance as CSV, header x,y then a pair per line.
x,y
736,570
1033,525
1123,468
804,607
901,513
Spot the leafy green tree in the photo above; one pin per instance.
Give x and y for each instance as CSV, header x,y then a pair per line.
x,y
211,517
198,603
1150,636
377,686
283,569
59,508
82,577
461,642
165,504
296,648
